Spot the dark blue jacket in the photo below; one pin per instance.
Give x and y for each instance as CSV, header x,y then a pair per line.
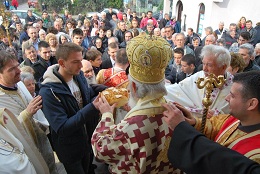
x,y
67,121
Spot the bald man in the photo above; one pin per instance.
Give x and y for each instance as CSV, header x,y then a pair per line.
x,y
88,72
90,77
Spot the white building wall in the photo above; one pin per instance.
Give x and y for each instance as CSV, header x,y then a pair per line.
x,y
228,11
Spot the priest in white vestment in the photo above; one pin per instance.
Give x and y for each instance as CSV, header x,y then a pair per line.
x,y
15,97
215,60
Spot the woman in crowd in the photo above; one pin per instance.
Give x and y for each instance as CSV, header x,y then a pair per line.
x,y
53,42
241,23
63,39
94,30
29,82
70,26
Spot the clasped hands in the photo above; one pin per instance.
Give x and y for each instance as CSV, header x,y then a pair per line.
x,y
175,114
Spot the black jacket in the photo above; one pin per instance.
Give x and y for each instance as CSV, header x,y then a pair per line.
x,y
106,64
251,66
193,153
120,35
29,19
41,66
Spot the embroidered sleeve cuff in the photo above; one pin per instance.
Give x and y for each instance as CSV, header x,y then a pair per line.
x,y
107,114
23,115
198,123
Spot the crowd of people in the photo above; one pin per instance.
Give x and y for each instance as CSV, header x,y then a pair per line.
x,y
53,69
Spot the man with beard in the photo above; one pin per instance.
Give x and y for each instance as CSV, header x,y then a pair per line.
x,y
15,97
88,72
91,77
138,144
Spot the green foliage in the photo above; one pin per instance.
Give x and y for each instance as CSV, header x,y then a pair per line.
x,y
82,6
160,7
115,4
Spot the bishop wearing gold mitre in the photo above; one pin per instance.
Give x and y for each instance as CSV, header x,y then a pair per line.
x,y
139,143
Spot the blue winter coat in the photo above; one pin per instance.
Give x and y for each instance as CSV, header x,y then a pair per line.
x,y
67,120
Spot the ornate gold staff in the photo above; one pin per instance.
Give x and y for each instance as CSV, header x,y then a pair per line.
x,y
6,15
209,83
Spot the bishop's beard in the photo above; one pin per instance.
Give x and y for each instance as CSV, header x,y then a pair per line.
x,y
132,99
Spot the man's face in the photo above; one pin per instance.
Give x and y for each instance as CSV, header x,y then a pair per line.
x,y
98,43
57,25
42,36
87,70
221,26
232,34
209,40
72,65
257,51
85,32
157,32
210,66
232,28
114,17
134,15
163,34
245,55
40,23
103,16
44,15
179,41
122,26
166,16
248,25
18,27
189,32
112,52
32,32
11,74
77,39
95,16
242,41
149,28
29,13
31,54
134,24
149,15
15,18
177,58
237,104
45,53
128,36
168,33
5,40
97,62
188,69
